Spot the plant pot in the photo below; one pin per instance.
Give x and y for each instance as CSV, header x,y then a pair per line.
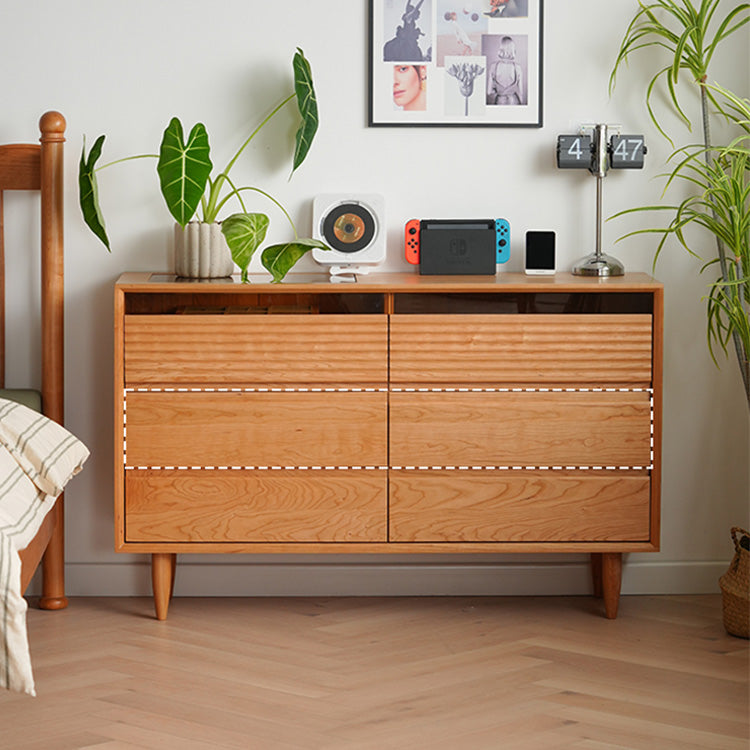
x,y
201,251
735,587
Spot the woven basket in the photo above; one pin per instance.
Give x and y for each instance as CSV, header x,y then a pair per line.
x,y
735,588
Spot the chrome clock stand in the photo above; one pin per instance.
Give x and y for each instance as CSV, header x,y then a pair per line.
x,y
594,150
597,263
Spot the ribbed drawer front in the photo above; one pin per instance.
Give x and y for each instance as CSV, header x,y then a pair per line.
x,y
263,349
530,349
535,428
255,506
494,506
255,429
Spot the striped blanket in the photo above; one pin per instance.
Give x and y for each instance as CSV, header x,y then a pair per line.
x,y
37,458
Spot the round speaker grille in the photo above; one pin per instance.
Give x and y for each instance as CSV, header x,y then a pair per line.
x,y
349,227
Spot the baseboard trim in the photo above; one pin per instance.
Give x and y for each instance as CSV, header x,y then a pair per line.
x,y
569,578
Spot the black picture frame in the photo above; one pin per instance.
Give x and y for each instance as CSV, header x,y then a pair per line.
x,y
445,63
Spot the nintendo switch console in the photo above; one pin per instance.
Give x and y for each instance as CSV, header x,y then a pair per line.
x,y
457,246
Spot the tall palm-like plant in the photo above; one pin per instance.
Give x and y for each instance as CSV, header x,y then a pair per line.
x,y
691,32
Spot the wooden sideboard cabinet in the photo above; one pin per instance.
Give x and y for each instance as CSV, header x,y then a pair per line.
x,y
397,413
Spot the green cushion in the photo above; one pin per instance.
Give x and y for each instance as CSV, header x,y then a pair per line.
x,y
32,399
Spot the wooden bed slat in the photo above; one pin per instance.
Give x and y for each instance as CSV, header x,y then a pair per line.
x,y
20,166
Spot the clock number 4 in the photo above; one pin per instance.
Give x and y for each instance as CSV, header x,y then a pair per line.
x,y
575,149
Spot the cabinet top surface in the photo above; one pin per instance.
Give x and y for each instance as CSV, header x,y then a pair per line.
x,y
388,282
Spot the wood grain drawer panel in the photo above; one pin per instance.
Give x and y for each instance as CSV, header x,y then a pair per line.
x,y
252,349
526,429
494,506
530,349
255,506
256,429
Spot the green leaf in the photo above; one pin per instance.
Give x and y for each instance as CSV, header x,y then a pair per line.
x,y
279,259
308,107
88,191
183,169
244,233
726,30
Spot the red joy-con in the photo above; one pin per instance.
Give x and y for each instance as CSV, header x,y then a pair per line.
x,y
411,241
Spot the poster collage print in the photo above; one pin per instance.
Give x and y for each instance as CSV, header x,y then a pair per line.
x,y
455,61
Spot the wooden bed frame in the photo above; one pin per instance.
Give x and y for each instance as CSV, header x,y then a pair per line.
x,y
39,167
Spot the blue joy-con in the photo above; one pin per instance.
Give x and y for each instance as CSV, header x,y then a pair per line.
x,y
502,235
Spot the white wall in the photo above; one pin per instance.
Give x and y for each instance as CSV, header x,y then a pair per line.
x,y
124,68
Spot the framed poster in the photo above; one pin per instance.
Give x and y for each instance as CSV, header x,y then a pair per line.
x,y
456,63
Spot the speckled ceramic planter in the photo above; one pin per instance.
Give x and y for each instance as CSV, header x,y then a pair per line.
x,y
201,252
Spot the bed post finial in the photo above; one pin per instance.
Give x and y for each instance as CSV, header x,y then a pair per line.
x,y
52,126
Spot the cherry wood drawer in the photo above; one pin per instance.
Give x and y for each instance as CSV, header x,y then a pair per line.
x,y
232,506
508,506
534,428
527,349
252,429
255,349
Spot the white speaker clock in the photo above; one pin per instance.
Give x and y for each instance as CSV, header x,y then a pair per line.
x,y
353,226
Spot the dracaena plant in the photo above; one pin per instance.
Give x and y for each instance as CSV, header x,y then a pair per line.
x,y
184,168
718,175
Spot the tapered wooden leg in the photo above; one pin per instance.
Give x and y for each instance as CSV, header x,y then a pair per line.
x,y
162,580
53,565
611,580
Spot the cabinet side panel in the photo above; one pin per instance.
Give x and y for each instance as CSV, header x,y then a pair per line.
x,y
205,506
119,419
255,349
466,506
657,385
530,349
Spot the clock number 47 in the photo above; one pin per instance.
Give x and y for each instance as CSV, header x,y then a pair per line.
x,y
627,151
621,151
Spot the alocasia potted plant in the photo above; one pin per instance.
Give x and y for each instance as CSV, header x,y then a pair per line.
x,y
184,168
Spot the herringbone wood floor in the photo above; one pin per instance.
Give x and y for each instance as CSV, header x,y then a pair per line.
x,y
381,673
